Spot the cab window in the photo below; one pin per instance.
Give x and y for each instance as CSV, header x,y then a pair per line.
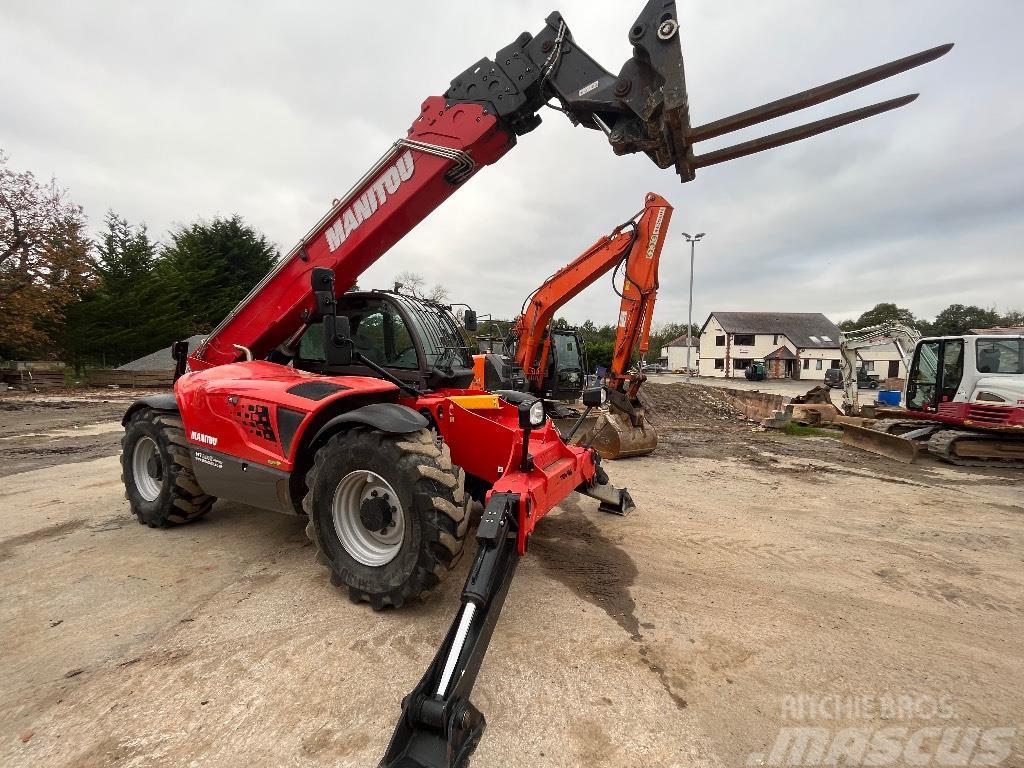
x,y
311,345
380,334
952,370
1000,355
924,376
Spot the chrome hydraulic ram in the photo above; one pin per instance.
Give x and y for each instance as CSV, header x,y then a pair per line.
x,y
439,727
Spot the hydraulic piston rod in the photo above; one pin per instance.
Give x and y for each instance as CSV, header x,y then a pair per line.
x,y
439,727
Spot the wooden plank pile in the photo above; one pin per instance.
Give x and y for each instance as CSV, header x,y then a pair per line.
x,y
111,377
33,380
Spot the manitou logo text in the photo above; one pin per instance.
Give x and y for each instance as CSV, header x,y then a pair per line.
x,y
364,206
653,244
199,437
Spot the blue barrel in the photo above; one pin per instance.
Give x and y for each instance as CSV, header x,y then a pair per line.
x,y
889,396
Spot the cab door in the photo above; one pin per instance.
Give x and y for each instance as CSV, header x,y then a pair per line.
x,y
935,374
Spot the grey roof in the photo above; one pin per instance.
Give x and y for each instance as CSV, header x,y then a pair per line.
x,y
1006,330
160,360
681,341
782,353
798,327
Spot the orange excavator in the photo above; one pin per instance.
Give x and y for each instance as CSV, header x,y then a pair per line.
x,y
550,363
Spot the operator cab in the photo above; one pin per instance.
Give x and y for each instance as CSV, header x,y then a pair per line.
x,y
567,366
415,340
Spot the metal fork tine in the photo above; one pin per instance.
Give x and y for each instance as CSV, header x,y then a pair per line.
x,y
796,134
814,96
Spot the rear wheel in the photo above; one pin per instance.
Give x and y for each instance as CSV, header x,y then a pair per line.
x,y
156,468
387,513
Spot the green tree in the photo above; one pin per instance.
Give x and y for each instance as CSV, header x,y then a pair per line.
x,y
881,313
205,270
957,319
111,322
1013,318
45,261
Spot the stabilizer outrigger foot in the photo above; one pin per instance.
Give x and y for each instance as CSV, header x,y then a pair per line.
x,y
439,727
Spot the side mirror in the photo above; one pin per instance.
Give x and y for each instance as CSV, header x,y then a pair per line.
x,y
337,341
594,397
469,320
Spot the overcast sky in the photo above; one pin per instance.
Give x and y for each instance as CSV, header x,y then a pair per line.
x,y
167,112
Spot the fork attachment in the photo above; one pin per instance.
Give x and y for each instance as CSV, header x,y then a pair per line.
x,y
439,727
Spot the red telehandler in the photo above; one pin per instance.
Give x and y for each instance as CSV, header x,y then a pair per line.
x,y
352,408
547,362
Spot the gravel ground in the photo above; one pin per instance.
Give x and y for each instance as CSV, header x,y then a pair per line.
x,y
758,570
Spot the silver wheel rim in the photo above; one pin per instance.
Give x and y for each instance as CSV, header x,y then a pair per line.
x,y
145,456
372,548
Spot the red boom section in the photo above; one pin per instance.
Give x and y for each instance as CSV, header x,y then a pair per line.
x,y
641,249
445,146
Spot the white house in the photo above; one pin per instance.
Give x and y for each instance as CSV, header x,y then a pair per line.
x,y
884,360
794,345
674,353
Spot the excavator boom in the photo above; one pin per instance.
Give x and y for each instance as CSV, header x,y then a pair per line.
x,y
637,244
622,429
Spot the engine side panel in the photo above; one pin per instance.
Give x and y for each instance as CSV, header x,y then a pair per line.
x,y
257,412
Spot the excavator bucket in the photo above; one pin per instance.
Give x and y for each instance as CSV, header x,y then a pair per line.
x,y
615,436
895,447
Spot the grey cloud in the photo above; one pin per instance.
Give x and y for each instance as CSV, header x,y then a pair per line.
x,y
166,112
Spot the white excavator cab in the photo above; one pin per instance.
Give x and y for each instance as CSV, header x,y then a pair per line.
x,y
950,371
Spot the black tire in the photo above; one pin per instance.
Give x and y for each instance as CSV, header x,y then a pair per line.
x,y
433,505
180,499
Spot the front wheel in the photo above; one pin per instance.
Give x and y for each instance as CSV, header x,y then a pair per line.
x,y
387,513
156,468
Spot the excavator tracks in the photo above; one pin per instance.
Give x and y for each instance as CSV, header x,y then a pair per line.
x,y
978,449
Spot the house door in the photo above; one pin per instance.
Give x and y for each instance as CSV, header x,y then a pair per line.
x,y
894,369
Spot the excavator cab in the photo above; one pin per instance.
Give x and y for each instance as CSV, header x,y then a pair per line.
x,y
567,366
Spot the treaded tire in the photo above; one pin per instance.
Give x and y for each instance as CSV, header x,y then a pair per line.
x,y
181,500
434,505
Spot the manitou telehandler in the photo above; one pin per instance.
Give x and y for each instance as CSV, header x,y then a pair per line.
x,y
352,408
548,361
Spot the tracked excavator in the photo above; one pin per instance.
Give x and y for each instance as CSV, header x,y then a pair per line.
x,y
536,354
353,408
963,398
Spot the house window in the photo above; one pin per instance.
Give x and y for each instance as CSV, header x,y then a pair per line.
x,y
740,363
815,339
775,339
719,341
826,338
836,364
720,364
818,366
744,339
869,365
807,365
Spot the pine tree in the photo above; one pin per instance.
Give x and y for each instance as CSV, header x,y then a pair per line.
x,y
206,269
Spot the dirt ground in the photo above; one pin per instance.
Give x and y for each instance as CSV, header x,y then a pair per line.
x,y
759,569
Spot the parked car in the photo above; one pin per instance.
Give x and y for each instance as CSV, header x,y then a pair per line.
x,y
654,368
834,378
866,380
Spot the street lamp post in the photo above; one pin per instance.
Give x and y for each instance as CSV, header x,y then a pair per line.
x,y
689,315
